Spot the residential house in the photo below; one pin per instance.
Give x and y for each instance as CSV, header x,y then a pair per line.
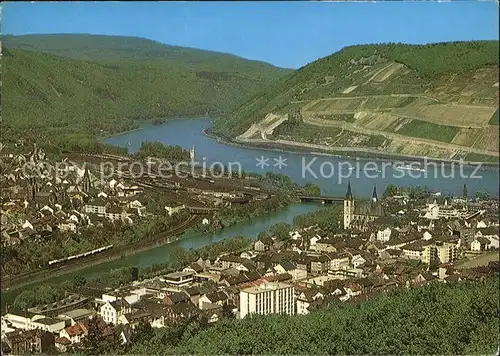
x,y
492,234
217,297
231,261
111,311
193,267
97,206
305,299
74,333
325,245
180,311
479,244
357,261
174,209
264,243
22,342
290,268
340,260
62,344
352,289
175,298
423,278
319,264
384,235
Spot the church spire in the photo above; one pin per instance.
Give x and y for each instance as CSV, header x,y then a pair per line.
x,y
86,179
374,195
348,195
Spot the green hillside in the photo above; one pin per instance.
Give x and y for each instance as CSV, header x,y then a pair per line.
x,y
115,82
441,318
106,48
445,92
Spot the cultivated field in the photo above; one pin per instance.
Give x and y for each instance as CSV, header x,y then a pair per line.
x,y
449,114
386,106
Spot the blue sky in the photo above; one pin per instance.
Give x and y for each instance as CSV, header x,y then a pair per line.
x,y
287,34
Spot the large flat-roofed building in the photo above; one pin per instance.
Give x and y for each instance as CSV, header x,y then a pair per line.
x,y
179,278
267,298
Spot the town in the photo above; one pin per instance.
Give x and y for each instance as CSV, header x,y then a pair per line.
x,y
393,241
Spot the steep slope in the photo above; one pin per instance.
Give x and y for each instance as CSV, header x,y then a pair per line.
x,y
439,318
435,100
67,98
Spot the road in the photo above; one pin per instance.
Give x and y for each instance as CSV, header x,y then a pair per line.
x,y
45,273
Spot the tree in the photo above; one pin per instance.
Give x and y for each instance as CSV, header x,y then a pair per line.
x,y
281,230
24,300
143,331
419,192
134,271
93,343
390,191
465,193
179,257
262,234
311,189
79,281
444,318
482,195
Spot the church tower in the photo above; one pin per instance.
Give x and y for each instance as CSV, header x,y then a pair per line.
x,y
191,154
348,207
86,180
32,188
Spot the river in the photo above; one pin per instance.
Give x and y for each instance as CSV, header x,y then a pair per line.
x,y
189,132
249,228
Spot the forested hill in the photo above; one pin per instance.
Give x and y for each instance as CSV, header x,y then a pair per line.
x,y
439,318
450,73
109,48
113,82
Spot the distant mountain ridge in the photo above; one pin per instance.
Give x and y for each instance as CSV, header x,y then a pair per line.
x,y
110,47
75,87
438,100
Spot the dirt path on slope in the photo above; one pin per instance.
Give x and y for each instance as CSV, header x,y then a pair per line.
x,y
395,136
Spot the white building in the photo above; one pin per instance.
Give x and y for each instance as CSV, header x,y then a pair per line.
x,y
171,210
35,322
74,333
432,211
111,311
384,235
95,208
305,299
267,298
179,279
5,327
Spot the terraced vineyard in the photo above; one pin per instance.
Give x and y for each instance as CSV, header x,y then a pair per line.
x,y
444,106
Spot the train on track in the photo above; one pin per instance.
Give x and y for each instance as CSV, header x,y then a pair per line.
x,y
85,254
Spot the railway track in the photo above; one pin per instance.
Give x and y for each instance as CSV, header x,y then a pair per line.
x,y
159,239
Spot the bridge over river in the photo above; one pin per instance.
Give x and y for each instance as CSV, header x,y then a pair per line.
x,y
321,199
200,210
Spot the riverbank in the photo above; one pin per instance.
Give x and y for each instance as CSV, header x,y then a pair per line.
x,y
342,152
192,225
114,254
150,122
161,254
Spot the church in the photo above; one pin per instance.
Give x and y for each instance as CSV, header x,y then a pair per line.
x,y
356,216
